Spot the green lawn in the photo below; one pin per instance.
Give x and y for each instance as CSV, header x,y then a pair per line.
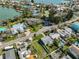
x,y
72,40
65,49
38,37
35,28
1,51
9,38
51,48
46,58
39,50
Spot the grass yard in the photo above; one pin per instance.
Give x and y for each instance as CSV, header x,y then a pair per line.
x,y
47,57
52,48
72,40
1,51
38,37
9,38
39,50
35,28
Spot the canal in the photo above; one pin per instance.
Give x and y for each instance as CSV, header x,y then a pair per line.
x,y
8,13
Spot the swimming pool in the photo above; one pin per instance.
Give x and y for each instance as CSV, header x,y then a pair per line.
x,y
2,29
8,13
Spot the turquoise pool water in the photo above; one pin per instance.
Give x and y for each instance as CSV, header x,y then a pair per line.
x,y
8,13
3,29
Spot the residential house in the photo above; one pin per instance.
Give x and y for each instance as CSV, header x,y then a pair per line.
x,y
18,27
10,54
66,32
69,30
74,52
56,54
33,21
47,40
62,33
54,35
23,52
1,56
36,12
66,57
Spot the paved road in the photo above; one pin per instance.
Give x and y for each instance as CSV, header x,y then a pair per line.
x,y
44,29
17,40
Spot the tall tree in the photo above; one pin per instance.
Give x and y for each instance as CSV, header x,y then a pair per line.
x,y
32,1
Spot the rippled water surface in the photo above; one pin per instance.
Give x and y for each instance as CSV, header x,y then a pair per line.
x,y
8,13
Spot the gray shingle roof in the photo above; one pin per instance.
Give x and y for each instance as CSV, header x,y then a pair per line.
x,y
47,40
10,54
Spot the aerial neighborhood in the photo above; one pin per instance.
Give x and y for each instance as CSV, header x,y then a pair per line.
x,y
39,29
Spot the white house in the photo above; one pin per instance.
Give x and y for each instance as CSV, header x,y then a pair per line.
x,y
47,40
1,56
54,35
24,53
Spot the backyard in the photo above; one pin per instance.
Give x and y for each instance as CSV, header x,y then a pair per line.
x,y
35,28
39,50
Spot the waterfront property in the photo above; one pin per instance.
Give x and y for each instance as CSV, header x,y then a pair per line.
x,y
18,27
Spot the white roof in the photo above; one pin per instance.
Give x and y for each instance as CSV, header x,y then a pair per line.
x,y
1,57
23,54
64,32
61,32
54,35
19,26
8,47
0,43
47,40
68,30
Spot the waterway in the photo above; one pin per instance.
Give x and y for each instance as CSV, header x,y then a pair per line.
x,y
8,13
51,1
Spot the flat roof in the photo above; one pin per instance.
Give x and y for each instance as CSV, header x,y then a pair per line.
x,y
10,54
1,57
